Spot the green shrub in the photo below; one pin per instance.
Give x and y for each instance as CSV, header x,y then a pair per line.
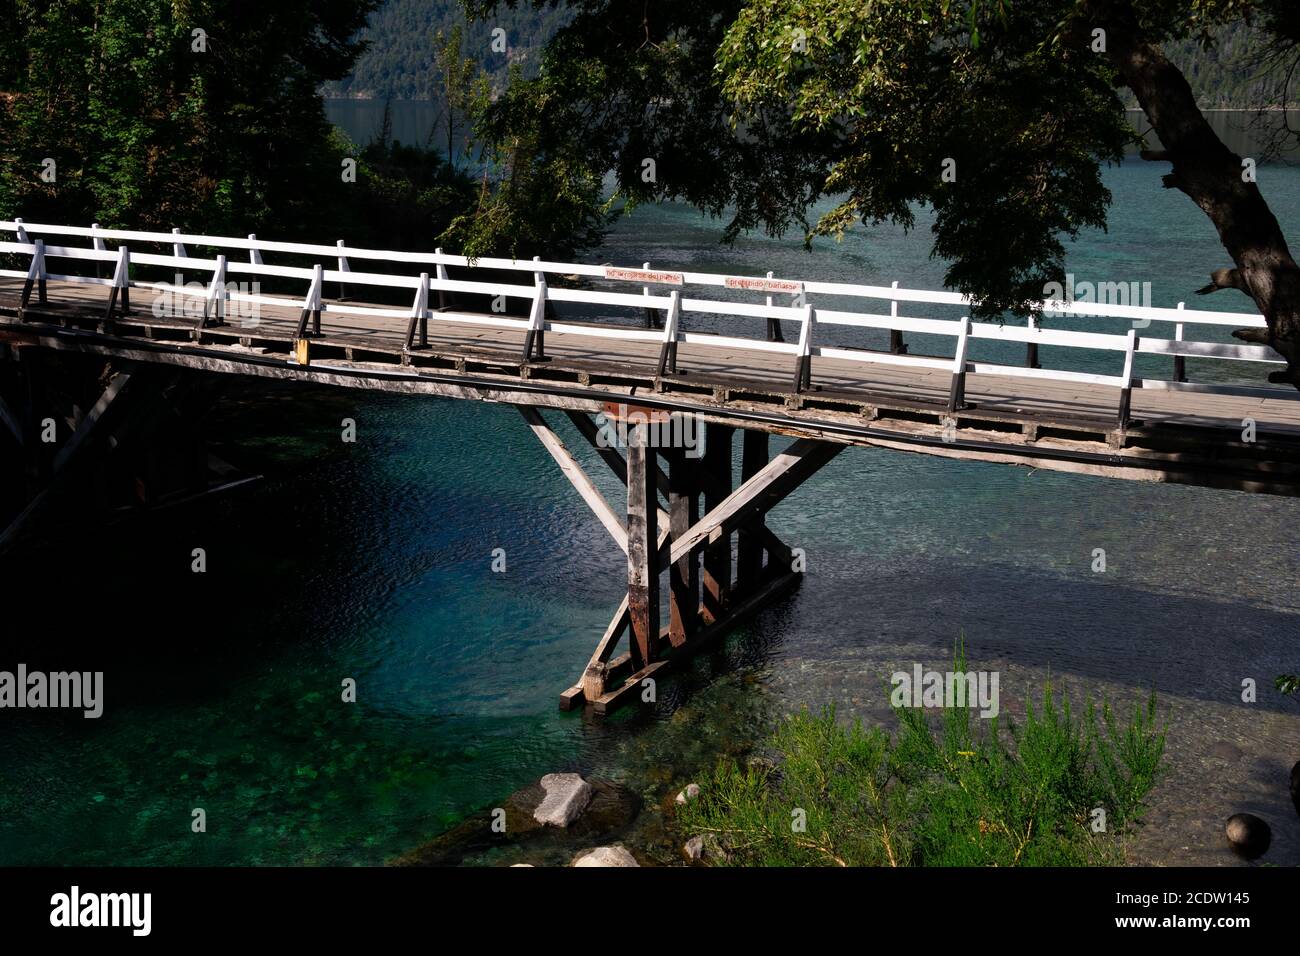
x,y
966,793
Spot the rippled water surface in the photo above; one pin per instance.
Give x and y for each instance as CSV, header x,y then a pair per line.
x,y
373,561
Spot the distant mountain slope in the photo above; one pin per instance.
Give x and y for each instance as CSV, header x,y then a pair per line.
x,y
399,62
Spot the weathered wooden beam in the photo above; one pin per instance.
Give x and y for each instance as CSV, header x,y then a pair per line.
x,y
749,547
716,466
10,421
592,683
577,477
642,549
683,575
67,458
737,614
782,475
591,431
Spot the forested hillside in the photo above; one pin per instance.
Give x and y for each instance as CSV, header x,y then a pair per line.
x,y
399,61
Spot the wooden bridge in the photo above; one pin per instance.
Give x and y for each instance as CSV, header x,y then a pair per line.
x,y
828,364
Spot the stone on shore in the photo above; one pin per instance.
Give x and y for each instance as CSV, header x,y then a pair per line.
x,y
567,795
690,793
1248,835
606,856
695,849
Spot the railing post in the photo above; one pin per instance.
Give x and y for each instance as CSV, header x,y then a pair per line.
x,y
20,230
896,344
343,267
651,322
121,284
803,361
35,275
957,393
774,333
216,298
98,245
419,313
254,257
311,306
1180,362
534,338
668,351
1126,390
178,250
1031,348
442,293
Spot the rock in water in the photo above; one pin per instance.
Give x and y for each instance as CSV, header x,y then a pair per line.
x,y
1248,835
1295,786
693,790
567,795
606,856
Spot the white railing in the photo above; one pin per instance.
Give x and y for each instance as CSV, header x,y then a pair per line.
x,y
674,304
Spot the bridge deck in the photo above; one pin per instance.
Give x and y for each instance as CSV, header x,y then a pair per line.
x,y
1178,436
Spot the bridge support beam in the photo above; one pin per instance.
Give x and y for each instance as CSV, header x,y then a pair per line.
x,y
702,604
96,440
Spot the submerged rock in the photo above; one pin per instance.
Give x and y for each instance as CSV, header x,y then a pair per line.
x,y
606,856
567,795
1226,751
705,848
690,793
1248,835
609,812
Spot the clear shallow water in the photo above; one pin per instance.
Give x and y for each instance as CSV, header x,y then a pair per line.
x,y
372,561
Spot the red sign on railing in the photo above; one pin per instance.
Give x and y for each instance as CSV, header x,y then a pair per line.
x,y
763,285
643,275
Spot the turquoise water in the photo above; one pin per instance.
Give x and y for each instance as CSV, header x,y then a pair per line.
x,y
372,561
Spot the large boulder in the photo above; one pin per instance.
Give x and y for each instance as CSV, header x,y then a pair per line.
x,y
606,856
567,795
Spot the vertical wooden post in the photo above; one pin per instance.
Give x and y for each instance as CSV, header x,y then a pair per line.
x,y
443,298
1126,389
957,391
774,333
642,548
684,577
98,245
896,344
343,267
1031,349
717,554
1180,362
651,321
749,549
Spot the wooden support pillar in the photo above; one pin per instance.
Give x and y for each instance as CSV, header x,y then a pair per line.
x,y
642,548
717,555
684,577
749,550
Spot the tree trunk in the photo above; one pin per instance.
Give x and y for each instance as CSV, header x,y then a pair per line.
x,y
1212,175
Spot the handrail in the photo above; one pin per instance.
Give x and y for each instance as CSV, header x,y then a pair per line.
x,y
672,303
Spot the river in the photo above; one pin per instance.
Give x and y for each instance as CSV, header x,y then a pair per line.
x,y
372,561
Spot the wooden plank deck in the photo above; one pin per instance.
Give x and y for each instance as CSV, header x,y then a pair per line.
x,y
1174,436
